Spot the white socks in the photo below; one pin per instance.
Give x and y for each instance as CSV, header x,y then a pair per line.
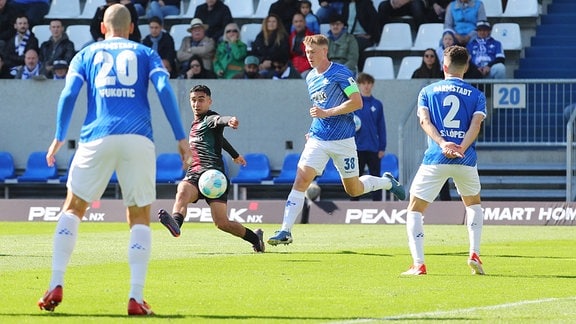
x,y
293,207
474,222
415,230
139,250
65,237
372,183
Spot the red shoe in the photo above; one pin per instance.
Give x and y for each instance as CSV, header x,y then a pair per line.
x,y
415,270
475,264
51,299
137,309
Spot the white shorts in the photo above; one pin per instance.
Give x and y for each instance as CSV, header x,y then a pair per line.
x,y
133,157
316,154
429,180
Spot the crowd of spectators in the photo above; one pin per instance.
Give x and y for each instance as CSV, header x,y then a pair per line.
x,y
215,38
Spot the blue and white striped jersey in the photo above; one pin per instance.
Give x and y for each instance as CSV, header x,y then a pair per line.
x,y
117,72
328,90
451,103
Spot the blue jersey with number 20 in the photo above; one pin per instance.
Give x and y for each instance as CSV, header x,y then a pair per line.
x,y
117,72
451,103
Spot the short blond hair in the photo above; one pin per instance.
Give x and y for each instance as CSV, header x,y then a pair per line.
x,y
317,39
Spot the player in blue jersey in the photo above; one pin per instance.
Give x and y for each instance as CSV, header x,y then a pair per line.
x,y
116,136
451,112
335,96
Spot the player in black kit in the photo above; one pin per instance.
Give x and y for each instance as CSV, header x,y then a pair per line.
x,y
206,141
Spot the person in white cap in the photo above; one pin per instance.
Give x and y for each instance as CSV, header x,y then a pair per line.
x,y
486,53
196,44
59,69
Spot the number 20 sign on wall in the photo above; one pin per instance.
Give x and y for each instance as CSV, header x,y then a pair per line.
x,y
509,96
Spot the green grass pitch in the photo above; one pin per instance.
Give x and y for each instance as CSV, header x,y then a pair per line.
x,y
330,274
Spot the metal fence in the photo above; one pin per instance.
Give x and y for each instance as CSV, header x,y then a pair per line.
x,y
571,155
520,113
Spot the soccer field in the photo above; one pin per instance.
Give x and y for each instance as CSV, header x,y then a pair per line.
x,y
330,274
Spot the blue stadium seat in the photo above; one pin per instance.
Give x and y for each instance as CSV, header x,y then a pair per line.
x,y
169,168
330,174
37,170
256,170
6,166
289,169
389,163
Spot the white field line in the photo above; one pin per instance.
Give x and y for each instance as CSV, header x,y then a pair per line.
x,y
456,311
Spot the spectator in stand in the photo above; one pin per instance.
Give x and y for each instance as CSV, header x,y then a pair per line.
x,y
216,15
312,21
163,8
59,70
389,9
362,21
251,69
57,48
196,44
32,68
196,70
271,41
297,47
448,39
161,41
4,70
462,16
20,43
99,17
437,11
430,67
342,47
283,69
35,10
329,8
285,9
230,53
486,53
7,14
371,136
140,6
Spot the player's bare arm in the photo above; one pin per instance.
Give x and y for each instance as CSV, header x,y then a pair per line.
x,y
52,150
473,131
449,149
353,103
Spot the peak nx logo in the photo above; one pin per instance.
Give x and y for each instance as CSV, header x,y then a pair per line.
x,y
374,216
240,215
51,214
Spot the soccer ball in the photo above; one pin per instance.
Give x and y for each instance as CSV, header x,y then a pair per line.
x,y
357,122
313,191
212,183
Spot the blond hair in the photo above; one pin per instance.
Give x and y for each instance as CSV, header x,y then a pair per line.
x,y
317,39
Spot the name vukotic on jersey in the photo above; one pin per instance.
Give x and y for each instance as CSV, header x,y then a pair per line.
x,y
117,93
452,88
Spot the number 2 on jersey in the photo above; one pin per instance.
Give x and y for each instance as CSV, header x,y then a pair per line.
x,y
454,104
